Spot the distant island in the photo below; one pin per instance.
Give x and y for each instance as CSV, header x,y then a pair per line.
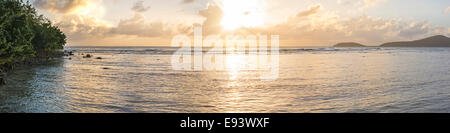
x,y
349,44
434,41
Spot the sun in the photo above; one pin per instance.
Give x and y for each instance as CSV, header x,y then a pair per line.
x,y
242,13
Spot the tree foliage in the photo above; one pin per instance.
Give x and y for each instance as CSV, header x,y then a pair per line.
x,y
24,33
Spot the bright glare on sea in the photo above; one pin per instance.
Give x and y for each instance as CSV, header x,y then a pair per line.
x,y
141,79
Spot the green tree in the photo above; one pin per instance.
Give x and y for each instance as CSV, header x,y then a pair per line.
x,y
23,32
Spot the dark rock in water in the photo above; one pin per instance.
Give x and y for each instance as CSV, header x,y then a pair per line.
x,y
68,53
99,58
70,58
87,56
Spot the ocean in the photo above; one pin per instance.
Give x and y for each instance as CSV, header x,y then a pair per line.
x,y
311,79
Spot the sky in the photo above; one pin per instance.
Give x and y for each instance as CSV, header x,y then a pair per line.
x,y
298,22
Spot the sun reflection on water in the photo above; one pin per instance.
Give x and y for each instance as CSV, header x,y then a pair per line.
x,y
234,65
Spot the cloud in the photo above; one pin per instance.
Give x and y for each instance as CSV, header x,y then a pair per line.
x,y
139,7
414,29
82,28
447,10
362,4
213,17
137,26
312,10
61,6
372,3
344,2
188,1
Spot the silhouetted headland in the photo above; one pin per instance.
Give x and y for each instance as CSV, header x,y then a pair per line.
x,y
434,41
349,44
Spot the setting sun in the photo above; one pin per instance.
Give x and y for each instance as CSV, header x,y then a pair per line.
x,y
242,13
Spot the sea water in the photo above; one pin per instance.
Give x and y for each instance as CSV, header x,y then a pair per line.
x,y
311,79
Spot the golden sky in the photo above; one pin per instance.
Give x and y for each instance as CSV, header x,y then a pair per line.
x,y
298,22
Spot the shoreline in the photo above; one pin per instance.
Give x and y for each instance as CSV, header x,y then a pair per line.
x,y
6,69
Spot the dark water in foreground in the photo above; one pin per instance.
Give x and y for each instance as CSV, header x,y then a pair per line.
x,y
310,80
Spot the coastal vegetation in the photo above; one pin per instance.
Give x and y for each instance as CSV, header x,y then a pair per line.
x,y
25,35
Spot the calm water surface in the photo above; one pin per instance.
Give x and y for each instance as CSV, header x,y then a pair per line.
x,y
141,79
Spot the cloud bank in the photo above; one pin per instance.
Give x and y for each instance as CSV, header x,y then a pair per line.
x,y
317,26
313,26
82,28
139,7
188,1
61,6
